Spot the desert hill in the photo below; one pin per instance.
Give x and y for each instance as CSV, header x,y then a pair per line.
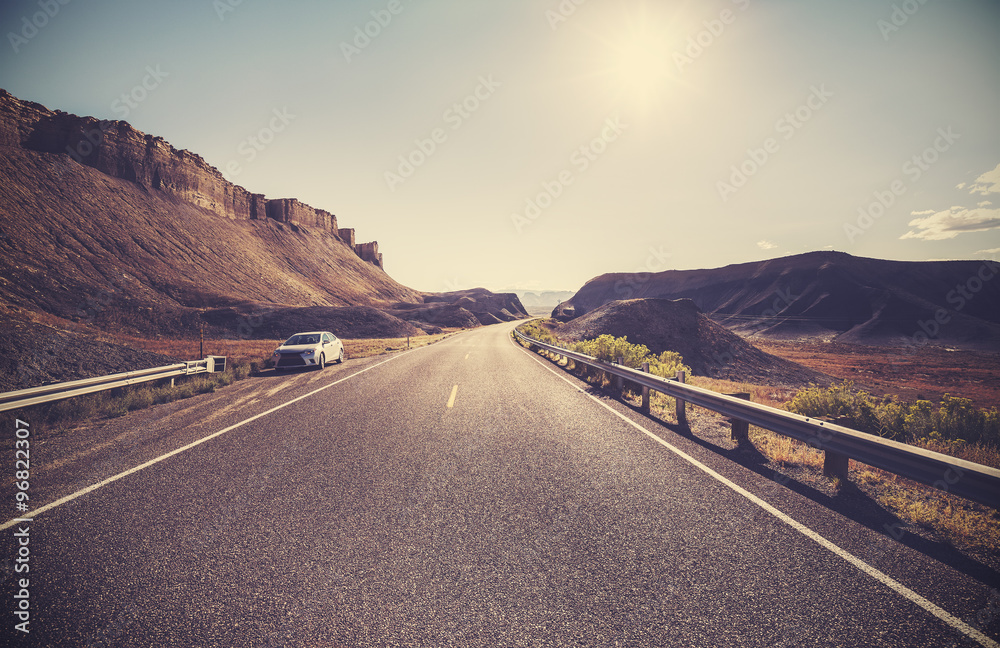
x,y
109,227
677,325
826,295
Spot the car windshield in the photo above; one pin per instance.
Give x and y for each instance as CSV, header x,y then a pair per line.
x,y
302,339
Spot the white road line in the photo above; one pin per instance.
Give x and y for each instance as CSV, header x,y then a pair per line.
x,y
885,579
93,487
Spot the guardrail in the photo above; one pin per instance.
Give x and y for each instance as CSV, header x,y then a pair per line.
x,y
59,391
957,476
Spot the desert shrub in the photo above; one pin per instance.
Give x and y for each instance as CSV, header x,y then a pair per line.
x,y
138,399
114,408
242,369
536,331
610,348
835,401
667,364
72,408
953,419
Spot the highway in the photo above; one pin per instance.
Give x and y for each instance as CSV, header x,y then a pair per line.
x,y
468,493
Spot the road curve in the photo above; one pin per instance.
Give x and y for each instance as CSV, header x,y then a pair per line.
x,y
461,494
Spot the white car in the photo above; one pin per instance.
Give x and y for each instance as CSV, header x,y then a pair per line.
x,y
312,349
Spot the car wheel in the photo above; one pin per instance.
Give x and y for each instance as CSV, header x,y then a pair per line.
x,y
341,358
322,362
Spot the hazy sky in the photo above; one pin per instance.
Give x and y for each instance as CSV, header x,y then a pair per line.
x,y
536,144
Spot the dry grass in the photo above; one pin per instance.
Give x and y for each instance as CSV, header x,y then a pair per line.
x,y
785,451
764,394
961,522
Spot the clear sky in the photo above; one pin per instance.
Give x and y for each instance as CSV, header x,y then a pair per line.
x,y
536,144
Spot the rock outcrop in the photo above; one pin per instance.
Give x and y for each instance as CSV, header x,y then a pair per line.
x,y
369,252
119,150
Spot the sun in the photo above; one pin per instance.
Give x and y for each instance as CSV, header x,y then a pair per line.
x,y
635,59
640,64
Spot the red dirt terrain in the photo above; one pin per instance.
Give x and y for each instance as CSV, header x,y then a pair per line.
x,y
927,374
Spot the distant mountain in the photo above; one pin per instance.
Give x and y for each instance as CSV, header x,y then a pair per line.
x,y
827,295
539,302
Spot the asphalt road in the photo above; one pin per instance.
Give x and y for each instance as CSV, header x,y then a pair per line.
x,y
462,494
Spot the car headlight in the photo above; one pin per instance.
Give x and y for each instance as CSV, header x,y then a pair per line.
x,y
309,352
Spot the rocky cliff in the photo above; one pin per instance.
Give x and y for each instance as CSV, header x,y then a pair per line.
x,y
120,151
105,230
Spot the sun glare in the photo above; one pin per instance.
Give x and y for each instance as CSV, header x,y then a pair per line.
x,y
635,55
640,65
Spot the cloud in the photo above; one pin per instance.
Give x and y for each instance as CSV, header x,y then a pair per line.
x,y
986,253
766,245
987,183
950,223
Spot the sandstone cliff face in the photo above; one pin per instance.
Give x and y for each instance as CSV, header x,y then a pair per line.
x,y
369,252
290,210
104,229
120,151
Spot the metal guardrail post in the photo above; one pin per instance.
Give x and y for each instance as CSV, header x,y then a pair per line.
x,y
680,406
740,429
836,464
619,381
645,390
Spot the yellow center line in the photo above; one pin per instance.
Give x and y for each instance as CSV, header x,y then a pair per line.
x,y
451,399
468,354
